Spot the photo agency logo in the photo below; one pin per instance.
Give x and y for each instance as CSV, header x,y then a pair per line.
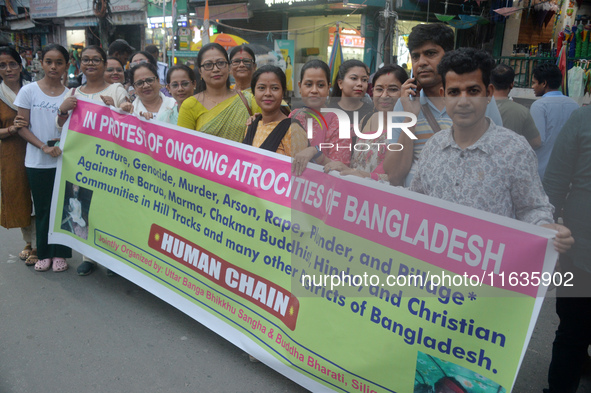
x,y
348,131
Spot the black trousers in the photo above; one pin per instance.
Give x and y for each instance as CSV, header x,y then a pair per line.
x,y
569,351
41,183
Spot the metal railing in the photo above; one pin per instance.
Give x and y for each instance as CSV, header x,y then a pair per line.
x,y
523,66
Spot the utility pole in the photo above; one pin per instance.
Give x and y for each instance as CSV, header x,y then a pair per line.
x,y
102,11
390,17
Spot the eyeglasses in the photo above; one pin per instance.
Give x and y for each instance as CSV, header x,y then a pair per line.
x,y
183,84
219,64
93,61
113,69
247,62
141,82
11,65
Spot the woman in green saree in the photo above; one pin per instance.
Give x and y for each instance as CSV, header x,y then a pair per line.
x,y
216,109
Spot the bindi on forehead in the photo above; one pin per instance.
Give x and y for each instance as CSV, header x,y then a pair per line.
x,y
243,54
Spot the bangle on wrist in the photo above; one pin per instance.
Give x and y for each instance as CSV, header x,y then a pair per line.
x,y
42,146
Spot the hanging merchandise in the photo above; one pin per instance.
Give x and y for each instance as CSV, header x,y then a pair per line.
x,y
543,13
572,47
561,38
444,18
587,80
460,24
469,18
576,87
561,62
579,41
586,51
500,9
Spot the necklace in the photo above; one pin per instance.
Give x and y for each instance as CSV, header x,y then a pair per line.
x,y
51,89
206,96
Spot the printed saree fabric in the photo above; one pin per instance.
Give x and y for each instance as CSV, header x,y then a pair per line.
x,y
226,120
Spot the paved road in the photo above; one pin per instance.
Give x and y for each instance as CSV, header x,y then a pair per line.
x,y
64,333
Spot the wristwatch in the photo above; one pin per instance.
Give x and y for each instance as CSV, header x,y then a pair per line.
x,y
318,153
60,113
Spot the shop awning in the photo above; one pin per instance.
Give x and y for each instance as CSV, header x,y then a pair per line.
x,y
80,22
77,8
117,19
22,24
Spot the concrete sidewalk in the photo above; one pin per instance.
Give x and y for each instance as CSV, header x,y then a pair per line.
x,y
63,333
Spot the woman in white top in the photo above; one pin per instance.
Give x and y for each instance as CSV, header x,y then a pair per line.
x,y
93,61
38,104
181,83
149,102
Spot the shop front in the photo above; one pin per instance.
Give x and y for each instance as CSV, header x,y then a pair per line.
x,y
556,31
75,22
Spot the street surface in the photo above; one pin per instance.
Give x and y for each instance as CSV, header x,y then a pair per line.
x,y
61,333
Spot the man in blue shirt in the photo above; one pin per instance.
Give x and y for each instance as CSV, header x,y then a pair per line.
x,y
550,112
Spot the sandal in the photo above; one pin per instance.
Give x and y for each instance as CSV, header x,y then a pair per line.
x,y
32,259
59,265
26,252
43,265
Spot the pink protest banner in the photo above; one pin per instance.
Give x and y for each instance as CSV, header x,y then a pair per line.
x,y
223,232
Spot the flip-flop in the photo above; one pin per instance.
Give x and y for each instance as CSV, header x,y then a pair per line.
x,y
32,259
43,265
59,265
25,253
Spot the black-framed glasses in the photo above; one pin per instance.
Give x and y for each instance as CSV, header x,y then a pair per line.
x,y
247,62
93,61
12,65
183,84
140,83
113,69
220,64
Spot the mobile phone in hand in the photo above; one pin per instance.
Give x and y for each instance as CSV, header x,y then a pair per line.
x,y
411,97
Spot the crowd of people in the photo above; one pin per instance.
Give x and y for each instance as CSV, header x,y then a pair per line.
x,y
473,145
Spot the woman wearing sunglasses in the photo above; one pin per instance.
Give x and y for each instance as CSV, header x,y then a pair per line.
x,y
242,66
149,102
216,109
